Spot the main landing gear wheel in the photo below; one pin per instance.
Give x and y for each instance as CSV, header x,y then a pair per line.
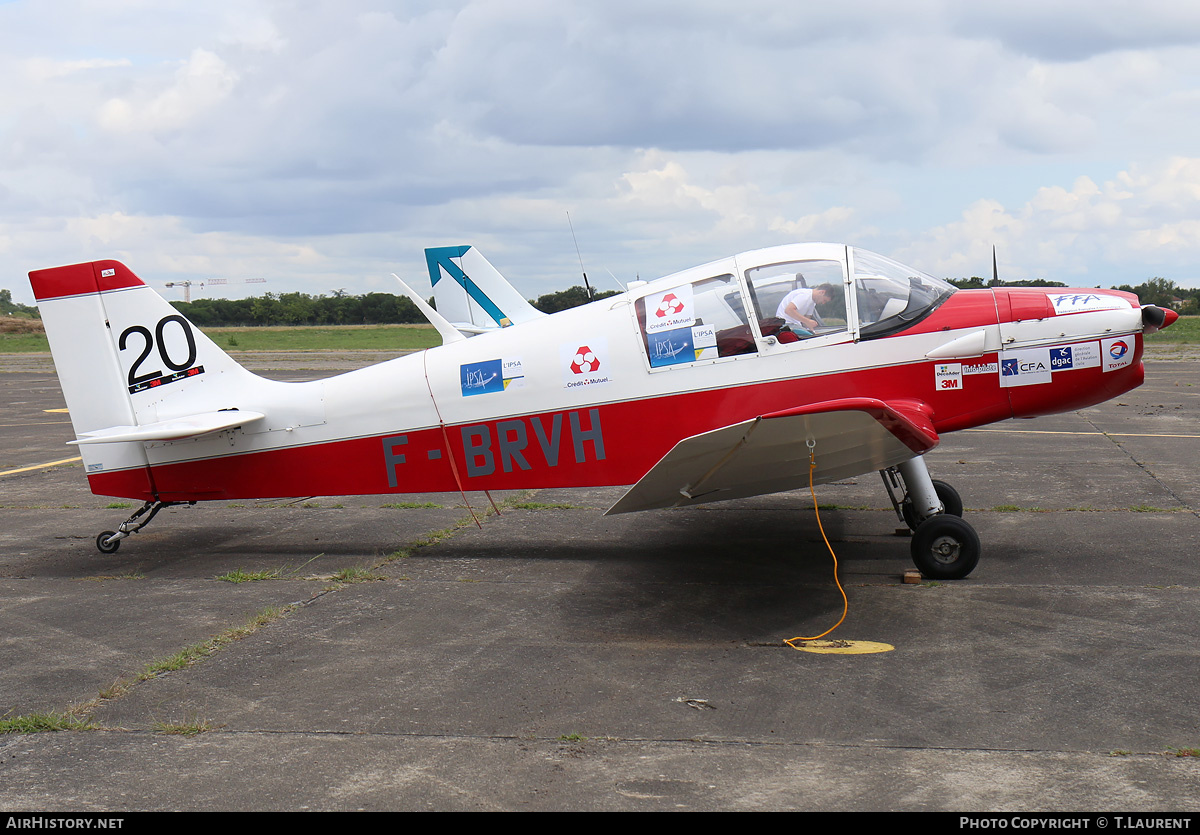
x,y
947,495
104,545
944,547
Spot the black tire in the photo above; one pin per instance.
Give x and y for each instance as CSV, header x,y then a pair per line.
x,y
106,547
945,547
947,495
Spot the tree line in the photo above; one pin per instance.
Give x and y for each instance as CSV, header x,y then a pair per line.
x,y
1161,292
342,308
339,308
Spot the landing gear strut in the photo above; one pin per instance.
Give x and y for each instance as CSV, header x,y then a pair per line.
x,y
107,542
943,547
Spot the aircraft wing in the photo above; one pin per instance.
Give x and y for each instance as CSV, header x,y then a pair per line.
x,y
770,453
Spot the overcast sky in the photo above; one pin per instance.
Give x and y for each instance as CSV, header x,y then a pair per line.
x,y
323,145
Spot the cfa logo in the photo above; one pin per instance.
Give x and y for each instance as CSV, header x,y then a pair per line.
x,y
1117,350
585,360
1008,368
669,306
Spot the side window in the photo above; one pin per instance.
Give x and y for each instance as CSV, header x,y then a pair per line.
x,y
797,300
703,320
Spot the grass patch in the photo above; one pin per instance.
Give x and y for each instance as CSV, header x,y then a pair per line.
x,y
239,576
1185,331
100,578
188,656
1184,752
118,506
312,338
357,574
572,738
188,729
540,506
328,338
410,505
36,723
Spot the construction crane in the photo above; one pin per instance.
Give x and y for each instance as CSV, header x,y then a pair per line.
x,y
189,284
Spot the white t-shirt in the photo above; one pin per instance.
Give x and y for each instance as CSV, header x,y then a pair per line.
x,y
803,299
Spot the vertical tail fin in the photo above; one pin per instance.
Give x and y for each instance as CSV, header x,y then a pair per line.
x,y
471,293
126,359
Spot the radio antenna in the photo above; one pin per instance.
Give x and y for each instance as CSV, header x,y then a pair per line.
x,y
586,286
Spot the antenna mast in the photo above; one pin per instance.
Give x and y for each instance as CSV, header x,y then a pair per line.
x,y
586,286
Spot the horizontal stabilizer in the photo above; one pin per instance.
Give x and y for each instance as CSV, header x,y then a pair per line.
x,y
448,331
770,453
176,429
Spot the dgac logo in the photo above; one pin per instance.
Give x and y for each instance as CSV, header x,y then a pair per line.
x,y
585,361
1117,350
1061,358
1008,368
669,306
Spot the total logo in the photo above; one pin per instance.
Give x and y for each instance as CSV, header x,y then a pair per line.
x,y
1117,350
585,360
669,306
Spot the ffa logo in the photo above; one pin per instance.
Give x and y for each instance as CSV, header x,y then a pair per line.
x,y
669,306
585,360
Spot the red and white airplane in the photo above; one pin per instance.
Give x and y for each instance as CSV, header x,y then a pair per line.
x,y
745,376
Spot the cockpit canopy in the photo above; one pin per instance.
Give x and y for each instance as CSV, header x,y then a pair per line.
x,y
783,295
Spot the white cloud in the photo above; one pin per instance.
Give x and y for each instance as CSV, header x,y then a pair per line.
x,y
673,132
198,87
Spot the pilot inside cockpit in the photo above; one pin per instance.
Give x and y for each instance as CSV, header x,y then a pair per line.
x,y
799,307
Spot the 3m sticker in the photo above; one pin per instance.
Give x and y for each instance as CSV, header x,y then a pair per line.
x,y
947,376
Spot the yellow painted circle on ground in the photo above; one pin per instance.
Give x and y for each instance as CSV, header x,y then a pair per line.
x,y
836,647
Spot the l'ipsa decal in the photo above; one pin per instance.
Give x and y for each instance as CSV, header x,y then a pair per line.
x,y
490,376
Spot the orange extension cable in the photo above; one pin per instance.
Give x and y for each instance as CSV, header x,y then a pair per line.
x,y
812,465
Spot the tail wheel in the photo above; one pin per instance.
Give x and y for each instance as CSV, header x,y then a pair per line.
x,y
944,547
104,545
